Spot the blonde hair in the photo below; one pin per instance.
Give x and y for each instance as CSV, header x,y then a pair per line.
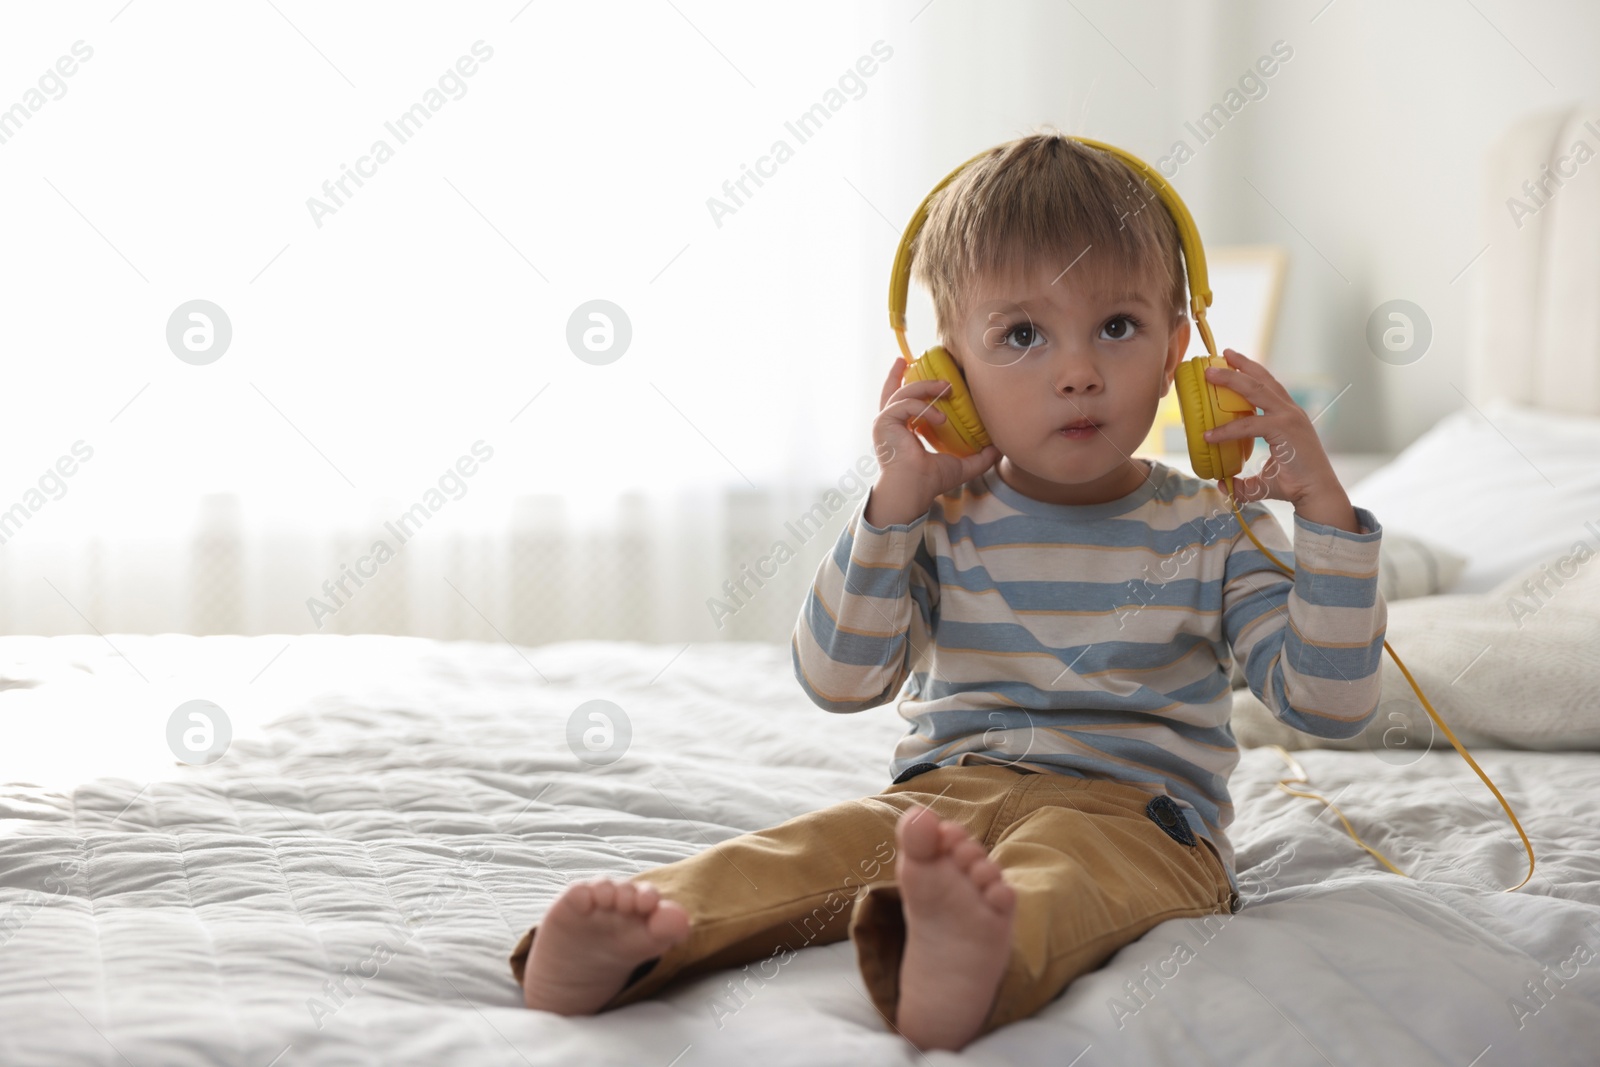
x,y
1045,198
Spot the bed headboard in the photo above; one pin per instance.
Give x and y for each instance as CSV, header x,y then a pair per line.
x,y
1536,302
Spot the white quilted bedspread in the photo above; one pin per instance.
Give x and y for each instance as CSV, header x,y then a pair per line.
x,y
344,885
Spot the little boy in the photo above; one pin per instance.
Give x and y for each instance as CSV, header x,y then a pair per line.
x,y
1059,621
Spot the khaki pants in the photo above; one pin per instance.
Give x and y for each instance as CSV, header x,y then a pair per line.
x,y
1092,866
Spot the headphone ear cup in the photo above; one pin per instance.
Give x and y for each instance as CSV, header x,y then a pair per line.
x,y
1205,406
961,433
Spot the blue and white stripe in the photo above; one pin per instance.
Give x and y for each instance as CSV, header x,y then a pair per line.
x,y
1096,640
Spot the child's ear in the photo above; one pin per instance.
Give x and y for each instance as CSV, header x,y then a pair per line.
x,y
1177,345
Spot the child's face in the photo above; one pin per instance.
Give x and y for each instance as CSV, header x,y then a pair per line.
x,y
1040,351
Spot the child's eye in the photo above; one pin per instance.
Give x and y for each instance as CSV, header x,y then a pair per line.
x,y
1121,332
1026,333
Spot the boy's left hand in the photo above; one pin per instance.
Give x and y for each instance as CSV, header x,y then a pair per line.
x,y
1297,469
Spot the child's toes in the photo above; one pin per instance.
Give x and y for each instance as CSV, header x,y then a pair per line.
x,y
999,895
579,896
919,833
605,894
644,897
983,873
669,921
623,900
967,853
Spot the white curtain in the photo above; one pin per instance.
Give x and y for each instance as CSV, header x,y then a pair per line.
x,y
610,152
403,341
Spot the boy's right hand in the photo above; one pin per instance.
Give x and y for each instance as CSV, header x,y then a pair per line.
x,y
912,476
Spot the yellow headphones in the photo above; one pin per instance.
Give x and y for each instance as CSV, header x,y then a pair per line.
x,y
1202,404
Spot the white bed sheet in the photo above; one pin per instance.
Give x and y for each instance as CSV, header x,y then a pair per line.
x,y
195,914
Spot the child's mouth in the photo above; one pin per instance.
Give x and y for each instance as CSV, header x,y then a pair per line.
x,y
1079,430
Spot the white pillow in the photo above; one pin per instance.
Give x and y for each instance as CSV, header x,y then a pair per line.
x,y
1408,567
1515,667
1411,566
1507,489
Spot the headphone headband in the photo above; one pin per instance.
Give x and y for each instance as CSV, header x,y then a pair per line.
x,y
1194,257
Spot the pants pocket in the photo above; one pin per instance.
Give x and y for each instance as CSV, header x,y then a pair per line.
x,y
1167,815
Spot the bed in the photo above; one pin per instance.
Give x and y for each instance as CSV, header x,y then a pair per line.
x,y
344,884
423,795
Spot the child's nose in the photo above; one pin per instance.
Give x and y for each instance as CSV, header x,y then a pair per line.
x,y
1075,373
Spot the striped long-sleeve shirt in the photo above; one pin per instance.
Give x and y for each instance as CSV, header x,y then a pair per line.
x,y
1098,639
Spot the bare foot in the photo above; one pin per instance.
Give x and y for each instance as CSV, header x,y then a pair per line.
x,y
958,912
592,938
